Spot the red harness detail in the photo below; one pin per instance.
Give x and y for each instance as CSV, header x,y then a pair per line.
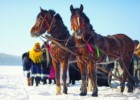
x,y
82,25
90,48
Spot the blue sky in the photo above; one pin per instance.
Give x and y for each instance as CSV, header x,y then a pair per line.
x,y
106,16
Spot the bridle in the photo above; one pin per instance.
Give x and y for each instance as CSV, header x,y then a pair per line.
x,y
81,27
80,23
50,26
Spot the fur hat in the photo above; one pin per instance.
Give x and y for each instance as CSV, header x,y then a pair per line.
x,y
37,46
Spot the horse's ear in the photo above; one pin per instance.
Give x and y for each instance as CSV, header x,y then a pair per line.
x,y
81,7
41,9
71,8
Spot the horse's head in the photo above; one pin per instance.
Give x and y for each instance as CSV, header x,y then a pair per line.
x,y
79,21
44,22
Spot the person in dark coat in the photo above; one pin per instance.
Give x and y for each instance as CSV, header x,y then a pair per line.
x,y
102,77
74,73
26,63
45,70
35,54
46,64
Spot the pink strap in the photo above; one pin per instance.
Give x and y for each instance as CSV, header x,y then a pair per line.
x,y
48,46
90,48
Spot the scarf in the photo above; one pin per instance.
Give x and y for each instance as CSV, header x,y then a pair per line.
x,y
35,56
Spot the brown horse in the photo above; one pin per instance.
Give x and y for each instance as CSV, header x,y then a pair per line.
x,y
48,20
109,48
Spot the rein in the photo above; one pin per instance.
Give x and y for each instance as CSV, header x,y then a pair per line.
x,y
75,68
47,24
63,47
51,26
67,40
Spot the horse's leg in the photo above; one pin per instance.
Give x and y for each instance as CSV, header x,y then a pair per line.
x,y
130,79
64,64
93,76
89,76
89,84
57,76
83,71
127,72
124,75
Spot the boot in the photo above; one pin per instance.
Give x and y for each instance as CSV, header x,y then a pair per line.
x,y
54,81
50,80
39,80
73,82
36,81
44,81
32,81
28,81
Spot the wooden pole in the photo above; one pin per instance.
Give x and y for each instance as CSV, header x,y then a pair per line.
x,y
106,71
57,43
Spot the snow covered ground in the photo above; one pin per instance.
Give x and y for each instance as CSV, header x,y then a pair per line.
x,y
13,87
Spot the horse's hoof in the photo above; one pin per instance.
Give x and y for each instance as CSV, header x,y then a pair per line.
x,y
94,95
58,90
65,92
58,93
130,91
83,94
122,89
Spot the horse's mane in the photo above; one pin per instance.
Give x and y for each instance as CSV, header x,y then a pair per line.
x,y
87,20
45,11
58,17
51,11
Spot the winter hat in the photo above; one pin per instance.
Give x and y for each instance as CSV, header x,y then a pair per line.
x,y
37,46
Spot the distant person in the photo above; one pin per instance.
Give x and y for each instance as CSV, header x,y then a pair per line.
x,y
52,75
49,62
35,54
74,73
26,63
45,71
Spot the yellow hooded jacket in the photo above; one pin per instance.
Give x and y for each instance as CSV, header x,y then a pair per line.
x,y
137,52
35,56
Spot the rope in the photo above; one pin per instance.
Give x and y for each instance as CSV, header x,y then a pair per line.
x,y
75,68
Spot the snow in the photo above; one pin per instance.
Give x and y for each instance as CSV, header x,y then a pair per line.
x,y
13,87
